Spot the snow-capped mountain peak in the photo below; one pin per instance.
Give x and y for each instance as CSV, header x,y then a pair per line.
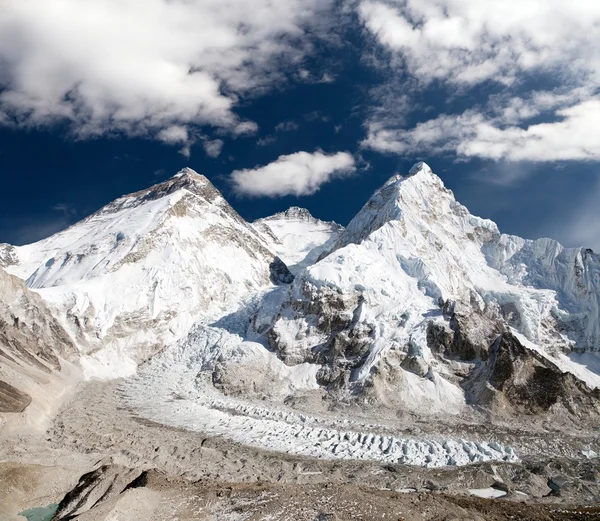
x,y
415,275
297,237
188,172
421,166
292,213
418,203
139,272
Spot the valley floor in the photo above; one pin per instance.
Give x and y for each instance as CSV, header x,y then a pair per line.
x,y
194,477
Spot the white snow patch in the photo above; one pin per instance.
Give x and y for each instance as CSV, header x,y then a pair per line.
x,y
487,493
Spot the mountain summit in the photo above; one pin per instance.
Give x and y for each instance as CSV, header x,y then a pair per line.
x,y
136,275
415,281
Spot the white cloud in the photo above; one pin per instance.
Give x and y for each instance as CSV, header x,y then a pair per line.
x,y
472,134
146,67
267,140
297,174
213,147
286,126
327,78
464,43
174,134
469,41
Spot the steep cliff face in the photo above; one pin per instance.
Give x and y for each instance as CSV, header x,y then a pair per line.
x,y
137,274
519,381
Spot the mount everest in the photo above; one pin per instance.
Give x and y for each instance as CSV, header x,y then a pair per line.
x,y
297,335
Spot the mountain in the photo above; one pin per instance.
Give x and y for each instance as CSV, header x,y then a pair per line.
x,y
416,306
419,336
417,315
406,307
409,303
297,237
136,275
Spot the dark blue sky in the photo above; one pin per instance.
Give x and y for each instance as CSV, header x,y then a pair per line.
x,y
50,179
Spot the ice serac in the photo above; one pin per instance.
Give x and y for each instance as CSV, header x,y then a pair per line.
x,y
138,273
298,237
414,293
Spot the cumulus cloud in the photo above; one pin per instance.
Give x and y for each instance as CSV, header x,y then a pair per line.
x,y
473,134
461,45
174,134
296,174
471,41
213,147
154,68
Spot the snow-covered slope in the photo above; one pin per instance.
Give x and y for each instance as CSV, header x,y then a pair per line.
x,y
137,274
297,237
415,292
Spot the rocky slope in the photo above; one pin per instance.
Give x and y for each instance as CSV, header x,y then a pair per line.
x,y
35,351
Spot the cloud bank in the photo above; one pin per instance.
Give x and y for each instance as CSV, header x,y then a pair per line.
x,y
296,174
473,134
153,68
468,43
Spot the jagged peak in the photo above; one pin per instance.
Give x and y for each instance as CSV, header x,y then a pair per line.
x,y
420,172
185,179
418,197
296,211
421,166
190,173
293,212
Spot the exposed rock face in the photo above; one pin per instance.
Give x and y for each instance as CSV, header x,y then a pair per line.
x,y
32,344
528,383
333,319
280,274
467,334
11,399
8,255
